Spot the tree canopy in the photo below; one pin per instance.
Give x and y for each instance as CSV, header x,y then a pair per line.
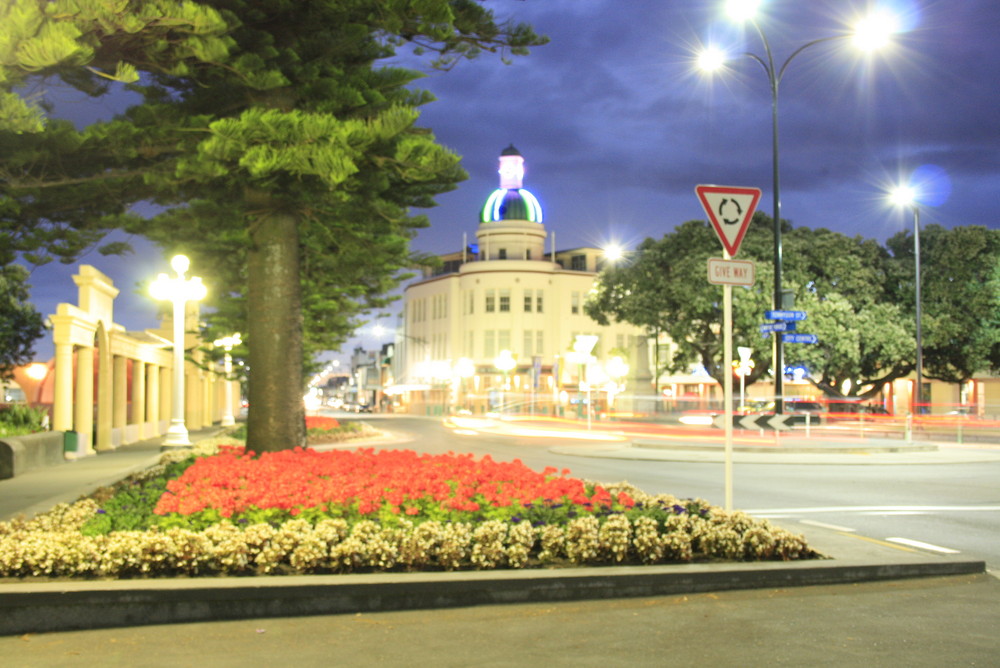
x,y
858,296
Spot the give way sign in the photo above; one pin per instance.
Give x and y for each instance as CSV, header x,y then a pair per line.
x,y
729,209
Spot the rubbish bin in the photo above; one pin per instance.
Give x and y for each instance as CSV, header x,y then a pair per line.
x,y
71,440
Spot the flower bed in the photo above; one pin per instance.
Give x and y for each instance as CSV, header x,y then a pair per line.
x,y
303,511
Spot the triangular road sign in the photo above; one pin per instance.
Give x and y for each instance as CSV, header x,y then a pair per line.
x,y
730,209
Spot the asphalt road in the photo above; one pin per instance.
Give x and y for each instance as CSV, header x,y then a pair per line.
x,y
950,507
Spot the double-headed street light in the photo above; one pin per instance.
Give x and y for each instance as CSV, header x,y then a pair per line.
x,y
905,196
178,290
869,34
227,343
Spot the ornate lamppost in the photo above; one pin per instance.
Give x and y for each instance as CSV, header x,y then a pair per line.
x,y
869,34
178,290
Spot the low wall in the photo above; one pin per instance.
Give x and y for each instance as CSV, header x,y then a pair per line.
x,y
19,454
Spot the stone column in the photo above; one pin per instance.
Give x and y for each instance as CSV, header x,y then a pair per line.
x,y
105,394
139,399
119,412
62,400
153,399
83,410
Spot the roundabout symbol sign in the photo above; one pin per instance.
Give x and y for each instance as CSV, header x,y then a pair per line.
x,y
729,209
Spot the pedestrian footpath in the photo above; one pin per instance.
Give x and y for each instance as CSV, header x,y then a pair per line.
x,y
38,490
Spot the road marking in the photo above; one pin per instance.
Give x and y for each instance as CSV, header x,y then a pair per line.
x,y
923,546
873,509
824,525
895,512
879,542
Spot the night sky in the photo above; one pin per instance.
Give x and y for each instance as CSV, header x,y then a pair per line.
x,y
617,125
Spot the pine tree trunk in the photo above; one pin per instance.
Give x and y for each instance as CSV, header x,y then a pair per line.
x,y
276,419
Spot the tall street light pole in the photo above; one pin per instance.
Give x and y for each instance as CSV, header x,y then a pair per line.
x,y
178,290
869,34
905,196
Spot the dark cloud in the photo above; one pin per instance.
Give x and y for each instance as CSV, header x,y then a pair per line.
x,y
617,128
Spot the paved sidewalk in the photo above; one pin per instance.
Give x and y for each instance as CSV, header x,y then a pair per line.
x,y
27,607
40,489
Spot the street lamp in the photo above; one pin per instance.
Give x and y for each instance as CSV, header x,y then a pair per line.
x,y
870,33
465,369
504,362
227,342
905,196
743,369
178,290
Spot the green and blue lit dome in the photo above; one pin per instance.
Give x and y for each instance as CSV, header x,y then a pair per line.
x,y
510,201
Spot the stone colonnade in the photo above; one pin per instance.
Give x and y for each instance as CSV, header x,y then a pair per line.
x,y
113,387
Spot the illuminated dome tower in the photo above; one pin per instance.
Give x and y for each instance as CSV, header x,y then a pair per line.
x,y
511,220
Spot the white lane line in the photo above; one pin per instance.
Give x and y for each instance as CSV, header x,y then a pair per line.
x,y
923,546
877,509
894,512
824,525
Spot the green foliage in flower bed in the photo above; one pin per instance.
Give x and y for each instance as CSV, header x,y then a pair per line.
x,y
21,419
130,506
117,534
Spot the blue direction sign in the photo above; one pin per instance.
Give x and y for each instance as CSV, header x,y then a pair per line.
x,y
785,315
777,327
799,338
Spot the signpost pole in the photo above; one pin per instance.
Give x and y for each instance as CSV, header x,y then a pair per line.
x,y
727,375
730,210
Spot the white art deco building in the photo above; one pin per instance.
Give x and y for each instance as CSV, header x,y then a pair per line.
x,y
506,292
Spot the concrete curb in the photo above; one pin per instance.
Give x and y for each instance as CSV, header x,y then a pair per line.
x,y
67,606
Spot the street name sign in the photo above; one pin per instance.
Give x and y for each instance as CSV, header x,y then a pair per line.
x,y
731,272
729,209
799,338
785,315
777,327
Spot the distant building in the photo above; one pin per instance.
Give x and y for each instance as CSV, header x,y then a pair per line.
x,y
506,293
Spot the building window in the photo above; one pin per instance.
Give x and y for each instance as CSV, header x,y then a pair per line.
x,y
503,339
529,343
578,263
539,342
505,301
538,302
574,305
528,297
527,254
490,343
503,254
491,301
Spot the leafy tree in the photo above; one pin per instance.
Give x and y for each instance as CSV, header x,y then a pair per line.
x,y
20,323
664,288
960,297
843,283
59,189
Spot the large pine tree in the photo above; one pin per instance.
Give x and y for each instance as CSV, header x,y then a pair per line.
x,y
288,161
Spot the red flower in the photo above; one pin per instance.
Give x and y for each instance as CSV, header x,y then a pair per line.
x,y
233,481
